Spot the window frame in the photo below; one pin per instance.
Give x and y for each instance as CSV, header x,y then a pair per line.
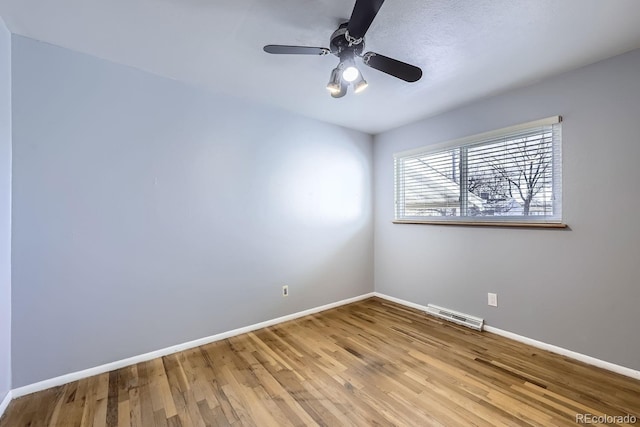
x,y
548,221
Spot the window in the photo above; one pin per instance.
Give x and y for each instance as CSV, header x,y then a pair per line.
x,y
511,176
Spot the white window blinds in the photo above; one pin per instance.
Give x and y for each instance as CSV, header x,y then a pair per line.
x,y
512,174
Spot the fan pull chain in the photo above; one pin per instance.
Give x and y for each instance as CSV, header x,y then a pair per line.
x,y
352,40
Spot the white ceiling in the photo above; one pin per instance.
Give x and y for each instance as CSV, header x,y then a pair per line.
x,y
467,49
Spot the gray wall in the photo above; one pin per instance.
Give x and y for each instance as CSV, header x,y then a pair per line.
x,y
577,288
5,210
148,213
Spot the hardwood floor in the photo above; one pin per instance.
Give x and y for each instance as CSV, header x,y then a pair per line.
x,y
369,363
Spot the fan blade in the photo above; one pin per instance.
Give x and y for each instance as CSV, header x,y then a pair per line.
x,y
402,70
295,50
362,16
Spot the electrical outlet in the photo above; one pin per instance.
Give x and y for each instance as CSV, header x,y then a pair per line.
x,y
285,291
492,299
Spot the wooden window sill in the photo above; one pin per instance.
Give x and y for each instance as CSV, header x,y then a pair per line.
x,y
486,223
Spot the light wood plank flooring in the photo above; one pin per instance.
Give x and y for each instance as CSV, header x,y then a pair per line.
x,y
368,363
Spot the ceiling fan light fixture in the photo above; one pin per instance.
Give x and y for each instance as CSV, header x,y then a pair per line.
x,y
360,84
334,85
333,88
342,92
350,74
348,66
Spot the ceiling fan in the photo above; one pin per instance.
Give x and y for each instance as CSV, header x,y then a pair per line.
x,y
347,43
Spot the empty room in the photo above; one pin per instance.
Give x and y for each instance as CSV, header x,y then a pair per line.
x,y
319,213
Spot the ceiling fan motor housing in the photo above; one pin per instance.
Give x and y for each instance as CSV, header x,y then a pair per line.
x,y
339,43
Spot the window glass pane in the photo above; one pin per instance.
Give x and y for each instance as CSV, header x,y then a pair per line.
x,y
432,184
513,177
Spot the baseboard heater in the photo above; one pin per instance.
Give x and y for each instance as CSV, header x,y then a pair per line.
x,y
456,317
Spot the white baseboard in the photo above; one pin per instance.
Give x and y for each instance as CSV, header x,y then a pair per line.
x,y
5,402
622,370
75,376
401,301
